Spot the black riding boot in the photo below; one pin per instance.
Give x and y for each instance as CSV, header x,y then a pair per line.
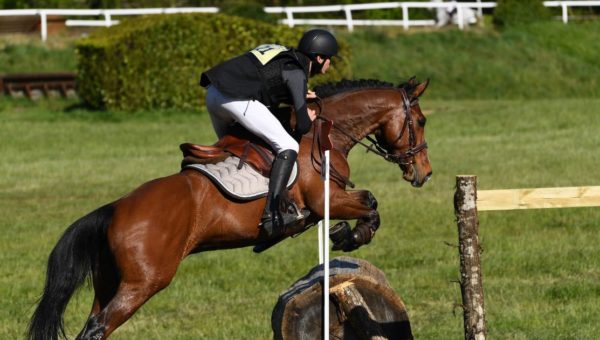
x,y
278,212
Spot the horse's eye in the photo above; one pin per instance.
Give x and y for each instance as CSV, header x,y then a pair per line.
x,y
422,121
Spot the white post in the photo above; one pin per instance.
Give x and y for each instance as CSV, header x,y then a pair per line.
x,y
405,16
44,25
326,252
479,10
349,18
461,19
290,17
107,18
320,242
565,12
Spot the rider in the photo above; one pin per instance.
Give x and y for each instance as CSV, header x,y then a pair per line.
x,y
244,89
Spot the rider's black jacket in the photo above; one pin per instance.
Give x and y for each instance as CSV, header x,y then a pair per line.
x,y
283,79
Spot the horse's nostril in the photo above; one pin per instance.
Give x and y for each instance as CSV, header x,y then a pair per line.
x,y
428,177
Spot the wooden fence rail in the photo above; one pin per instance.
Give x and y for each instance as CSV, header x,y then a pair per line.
x,y
467,202
538,198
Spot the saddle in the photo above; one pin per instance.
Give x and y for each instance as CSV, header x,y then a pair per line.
x,y
248,148
255,154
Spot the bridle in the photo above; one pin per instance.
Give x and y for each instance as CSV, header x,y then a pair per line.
x,y
401,158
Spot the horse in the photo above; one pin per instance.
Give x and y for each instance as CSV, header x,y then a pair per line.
x,y
132,247
449,15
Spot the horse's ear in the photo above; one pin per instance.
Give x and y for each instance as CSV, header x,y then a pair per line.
x,y
412,81
419,89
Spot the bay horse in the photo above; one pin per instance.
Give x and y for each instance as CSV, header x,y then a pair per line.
x,y
133,246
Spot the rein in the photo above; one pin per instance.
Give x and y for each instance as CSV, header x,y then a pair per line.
x,y
401,158
335,174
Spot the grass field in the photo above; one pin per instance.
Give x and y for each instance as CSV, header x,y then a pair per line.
x,y
541,268
543,60
21,53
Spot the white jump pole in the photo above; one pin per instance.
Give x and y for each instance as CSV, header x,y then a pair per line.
x,y
325,145
320,242
326,251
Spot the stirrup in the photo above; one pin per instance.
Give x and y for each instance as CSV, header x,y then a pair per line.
x,y
288,219
300,214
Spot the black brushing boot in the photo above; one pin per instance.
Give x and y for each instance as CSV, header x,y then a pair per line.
x,y
274,218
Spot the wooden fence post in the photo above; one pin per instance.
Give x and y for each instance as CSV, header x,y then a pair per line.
x,y
471,286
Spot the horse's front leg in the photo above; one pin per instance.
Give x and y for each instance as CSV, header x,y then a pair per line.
x,y
360,205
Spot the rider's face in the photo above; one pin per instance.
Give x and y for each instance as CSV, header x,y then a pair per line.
x,y
324,62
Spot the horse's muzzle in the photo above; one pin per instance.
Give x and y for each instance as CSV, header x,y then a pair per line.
x,y
417,184
411,174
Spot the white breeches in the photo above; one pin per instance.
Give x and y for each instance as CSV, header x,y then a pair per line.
x,y
251,114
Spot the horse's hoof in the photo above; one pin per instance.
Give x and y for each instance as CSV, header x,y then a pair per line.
x,y
341,236
340,232
93,330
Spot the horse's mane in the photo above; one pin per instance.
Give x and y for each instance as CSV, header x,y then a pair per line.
x,y
345,85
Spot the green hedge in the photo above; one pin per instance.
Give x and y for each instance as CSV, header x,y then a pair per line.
x,y
518,12
155,61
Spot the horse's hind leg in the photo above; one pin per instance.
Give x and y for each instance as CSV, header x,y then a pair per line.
x,y
133,291
142,272
105,280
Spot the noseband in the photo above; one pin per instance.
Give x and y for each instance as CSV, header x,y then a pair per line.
x,y
402,158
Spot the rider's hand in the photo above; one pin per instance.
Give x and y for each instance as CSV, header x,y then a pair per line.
x,y
311,95
312,114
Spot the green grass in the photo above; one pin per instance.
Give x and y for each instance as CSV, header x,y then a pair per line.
x,y
28,54
544,60
540,267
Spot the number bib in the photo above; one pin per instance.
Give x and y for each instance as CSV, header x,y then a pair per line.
x,y
265,53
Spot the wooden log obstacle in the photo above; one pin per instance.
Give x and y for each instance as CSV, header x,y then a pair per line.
x,y
467,202
35,85
362,305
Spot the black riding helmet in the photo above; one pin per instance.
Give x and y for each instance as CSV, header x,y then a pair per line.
x,y
318,42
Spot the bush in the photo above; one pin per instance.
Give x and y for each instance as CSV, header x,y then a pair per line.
x,y
516,12
247,9
155,61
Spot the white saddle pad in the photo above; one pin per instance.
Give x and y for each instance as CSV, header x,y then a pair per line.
x,y
244,184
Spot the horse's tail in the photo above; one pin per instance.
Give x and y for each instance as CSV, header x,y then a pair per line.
x,y
71,261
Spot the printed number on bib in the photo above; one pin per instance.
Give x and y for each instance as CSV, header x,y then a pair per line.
x,y
264,53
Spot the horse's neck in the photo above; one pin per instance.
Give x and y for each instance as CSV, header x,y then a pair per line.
x,y
354,124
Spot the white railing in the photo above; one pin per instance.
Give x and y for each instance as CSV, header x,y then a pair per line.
x,y
349,22
106,13
464,12
566,4
462,9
